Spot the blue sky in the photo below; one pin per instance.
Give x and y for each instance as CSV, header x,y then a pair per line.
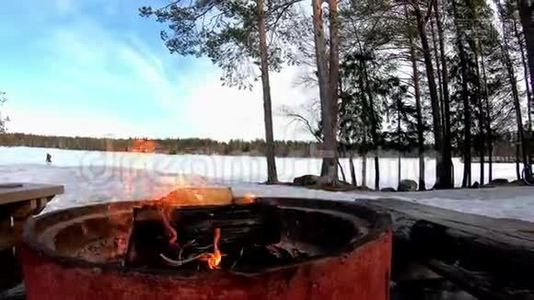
x,y
95,67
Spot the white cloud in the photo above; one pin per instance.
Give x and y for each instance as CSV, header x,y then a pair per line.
x,y
70,123
223,113
84,58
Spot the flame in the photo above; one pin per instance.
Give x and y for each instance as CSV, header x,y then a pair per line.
x,y
173,235
248,198
214,259
197,196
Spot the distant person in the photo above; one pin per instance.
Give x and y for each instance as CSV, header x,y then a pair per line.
x,y
48,159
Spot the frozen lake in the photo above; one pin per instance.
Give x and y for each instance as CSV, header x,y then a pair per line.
x,y
231,168
91,177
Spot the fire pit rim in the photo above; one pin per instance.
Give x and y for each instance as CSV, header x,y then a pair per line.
x,y
378,222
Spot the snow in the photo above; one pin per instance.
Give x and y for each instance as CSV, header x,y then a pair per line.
x,y
512,202
92,177
233,168
116,184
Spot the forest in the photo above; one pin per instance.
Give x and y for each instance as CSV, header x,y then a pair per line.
x,y
168,146
454,74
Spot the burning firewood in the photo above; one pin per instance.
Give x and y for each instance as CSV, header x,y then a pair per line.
x,y
199,238
179,263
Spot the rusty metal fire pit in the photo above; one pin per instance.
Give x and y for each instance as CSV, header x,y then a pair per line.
x,y
268,248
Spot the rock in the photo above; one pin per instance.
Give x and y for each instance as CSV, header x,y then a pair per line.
x,y
407,185
499,181
475,185
307,180
388,189
364,188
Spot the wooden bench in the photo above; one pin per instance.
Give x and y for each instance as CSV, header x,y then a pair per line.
x,y
18,201
489,257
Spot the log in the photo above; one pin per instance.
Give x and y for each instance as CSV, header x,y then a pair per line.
x,y
239,226
488,257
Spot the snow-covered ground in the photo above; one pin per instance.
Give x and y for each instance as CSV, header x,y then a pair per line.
x,y
98,177
233,168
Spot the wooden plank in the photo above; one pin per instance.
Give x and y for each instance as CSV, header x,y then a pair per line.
x,y
16,192
480,283
467,249
509,234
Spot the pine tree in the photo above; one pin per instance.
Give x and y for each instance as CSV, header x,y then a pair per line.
x,y
234,40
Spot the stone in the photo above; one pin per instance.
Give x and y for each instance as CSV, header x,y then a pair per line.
x,y
407,185
388,189
499,181
307,180
364,188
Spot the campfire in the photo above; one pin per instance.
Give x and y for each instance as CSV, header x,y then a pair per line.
x,y
235,237
242,246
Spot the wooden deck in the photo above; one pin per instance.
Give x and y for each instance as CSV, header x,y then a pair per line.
x,y
18,201
490,258
20,192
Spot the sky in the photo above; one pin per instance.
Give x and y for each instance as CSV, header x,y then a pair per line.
x,y
96,68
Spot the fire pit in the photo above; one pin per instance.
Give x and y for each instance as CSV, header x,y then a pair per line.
x,y
226,248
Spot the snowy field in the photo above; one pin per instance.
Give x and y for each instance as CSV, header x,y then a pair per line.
x,y
232,168
91,177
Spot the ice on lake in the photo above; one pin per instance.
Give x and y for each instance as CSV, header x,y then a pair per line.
x,y
93,176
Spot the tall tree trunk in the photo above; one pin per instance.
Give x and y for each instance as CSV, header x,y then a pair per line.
x,y
438,71
267,107
329,151
364,169
377,171
490,160
365,103
473,42
517,108
527,87
466,181
374,124
517,160
513,83
399,157
443,179
328,114
489,134
333,87
419,114
525,74
352,169
480,116
447,180
526,13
